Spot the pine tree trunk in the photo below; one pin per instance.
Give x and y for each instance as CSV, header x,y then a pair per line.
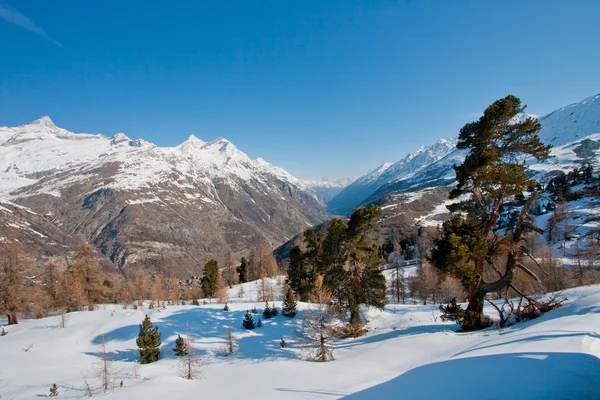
x,y
355,317
12,318
474,317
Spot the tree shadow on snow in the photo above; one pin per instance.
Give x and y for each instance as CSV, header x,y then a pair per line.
x,y
413,330
207,328
518,375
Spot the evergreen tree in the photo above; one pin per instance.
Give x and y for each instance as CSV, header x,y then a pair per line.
x,y
242,270
491,172
289,305
248,322
259,323
226,308
274,311
148,342
181,347
267,313
254,310
210,278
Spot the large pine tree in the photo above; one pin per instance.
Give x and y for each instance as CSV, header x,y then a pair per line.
x,y
148,342
347,258
493,170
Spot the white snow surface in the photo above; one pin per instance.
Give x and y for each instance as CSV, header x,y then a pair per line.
x,y
408,353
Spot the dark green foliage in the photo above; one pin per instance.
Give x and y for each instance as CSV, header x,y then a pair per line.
x,y
289,305
282,343
226,308
210,278
242,270
259,323
494,145
148,342
347,260
452,312
274,310
53,391
181,348
301,272
254,311
492,171
460,244
267,313
248,322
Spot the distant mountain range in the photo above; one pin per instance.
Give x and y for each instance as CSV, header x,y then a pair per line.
x,y
174,208
165,208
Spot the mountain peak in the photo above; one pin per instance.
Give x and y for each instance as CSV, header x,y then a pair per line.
x,y
44,121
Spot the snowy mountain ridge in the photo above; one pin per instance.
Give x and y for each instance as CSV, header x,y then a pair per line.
x,y
169,208
44,148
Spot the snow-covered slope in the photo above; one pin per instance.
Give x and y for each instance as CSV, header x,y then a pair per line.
x,y
572,122
140,203
410,165
408,353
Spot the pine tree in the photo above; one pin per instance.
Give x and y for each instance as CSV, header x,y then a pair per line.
x,y
267,311
274,311
181,348
148,342
259,323
254,311
242,270
289,305
248,322
210,278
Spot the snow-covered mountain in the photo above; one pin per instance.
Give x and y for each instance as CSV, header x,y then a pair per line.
x,y
431,166
387,173
326,188
171,208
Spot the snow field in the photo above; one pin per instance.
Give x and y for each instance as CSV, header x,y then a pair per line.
x,y
408,353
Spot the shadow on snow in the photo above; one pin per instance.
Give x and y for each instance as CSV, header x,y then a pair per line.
x,y
501,376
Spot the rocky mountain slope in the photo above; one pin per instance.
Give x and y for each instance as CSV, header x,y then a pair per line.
x,y
146,206
387,173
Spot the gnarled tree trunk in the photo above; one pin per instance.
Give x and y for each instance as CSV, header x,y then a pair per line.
x,y
12,318
474,316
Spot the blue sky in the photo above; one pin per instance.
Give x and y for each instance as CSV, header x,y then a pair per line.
x,y
320,88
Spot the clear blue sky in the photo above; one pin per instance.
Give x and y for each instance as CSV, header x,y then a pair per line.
x,y
320,88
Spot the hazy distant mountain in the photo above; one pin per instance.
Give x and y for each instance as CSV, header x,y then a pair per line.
x,y
327,189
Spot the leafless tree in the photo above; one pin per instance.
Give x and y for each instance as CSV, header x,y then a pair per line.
x,y
230,344
105,371
316,331
190,365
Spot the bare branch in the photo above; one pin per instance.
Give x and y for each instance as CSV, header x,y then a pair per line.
x,y
526,252
528,272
